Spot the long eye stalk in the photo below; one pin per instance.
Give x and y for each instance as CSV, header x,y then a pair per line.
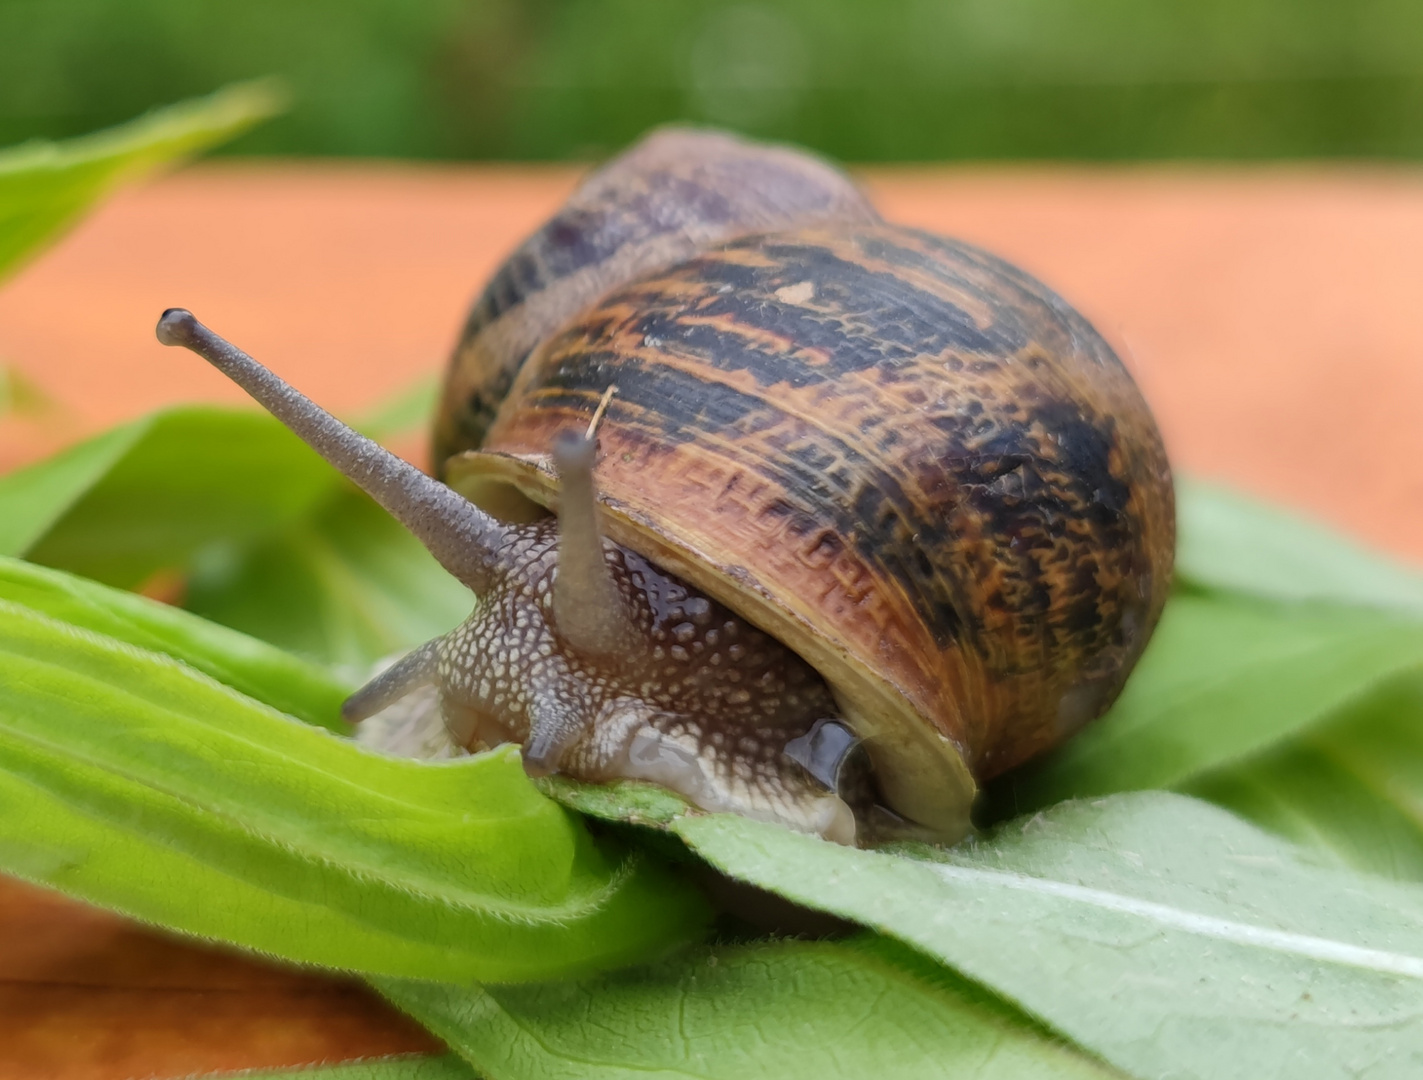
x,y
463,538
587,606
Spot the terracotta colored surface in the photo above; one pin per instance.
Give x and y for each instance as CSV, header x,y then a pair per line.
x,y
85,995
1270,315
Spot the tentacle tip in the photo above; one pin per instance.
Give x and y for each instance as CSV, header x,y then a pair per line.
x,y
177,326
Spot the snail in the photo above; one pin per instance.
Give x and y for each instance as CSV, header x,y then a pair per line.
x,y
797,513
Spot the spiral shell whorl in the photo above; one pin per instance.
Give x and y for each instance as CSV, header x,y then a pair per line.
x,y
677,192
911,462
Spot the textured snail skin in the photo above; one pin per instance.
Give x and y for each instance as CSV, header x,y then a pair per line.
x,y
697,700
676,192
907,460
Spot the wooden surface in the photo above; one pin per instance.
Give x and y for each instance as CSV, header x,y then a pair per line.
x,y
85,995
1271,316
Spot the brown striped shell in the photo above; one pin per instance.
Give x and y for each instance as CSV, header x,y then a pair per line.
x,y
675,193
909,461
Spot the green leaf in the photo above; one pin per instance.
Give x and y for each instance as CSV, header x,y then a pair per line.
x,y
630,802
1156,931
45,187
1229,541
249,666
780,1010
1223,679
1351,787
147,495
443,1067
133,781
1233,542
344,584
280,547
18,394
34,499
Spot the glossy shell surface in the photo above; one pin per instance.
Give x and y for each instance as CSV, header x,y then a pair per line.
x,y
676,192
910,461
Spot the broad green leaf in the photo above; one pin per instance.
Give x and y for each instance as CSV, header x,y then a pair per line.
x,y
1351,787
249,666
147,495
344,584
1156,931
443,1067
45,187
1232,542
780,1010
130,780
1223,679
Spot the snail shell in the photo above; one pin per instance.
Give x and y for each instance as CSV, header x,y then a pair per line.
x,y
907,460
677,192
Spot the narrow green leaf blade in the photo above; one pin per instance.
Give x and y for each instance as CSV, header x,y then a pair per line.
x,y
34,499
1231,542
780,1010
277,544
249,666
629,802
1351,787
45,187
344,584
1156,931
147,496
133,781
1224,678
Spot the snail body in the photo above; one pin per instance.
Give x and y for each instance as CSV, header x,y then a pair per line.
x,y
884,516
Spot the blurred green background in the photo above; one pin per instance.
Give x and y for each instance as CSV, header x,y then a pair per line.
x,y
864,80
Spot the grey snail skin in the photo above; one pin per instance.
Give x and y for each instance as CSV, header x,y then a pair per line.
x,y
796,513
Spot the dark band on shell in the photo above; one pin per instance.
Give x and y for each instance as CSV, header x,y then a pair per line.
x,y
677,192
